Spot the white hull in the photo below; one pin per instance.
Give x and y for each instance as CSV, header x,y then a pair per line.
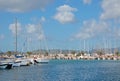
x,y
5,66
20,62
24,63
16,64
39,60
31,60
114,58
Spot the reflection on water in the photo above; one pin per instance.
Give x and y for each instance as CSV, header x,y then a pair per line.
x,y
65,70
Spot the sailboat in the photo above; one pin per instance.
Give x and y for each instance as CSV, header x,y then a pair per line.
x,y
19,59
42,59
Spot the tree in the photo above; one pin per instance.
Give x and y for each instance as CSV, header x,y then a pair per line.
x,y
29,53
82,53
116,52
46,53
100,52
79,54
65,55
73,52
9,53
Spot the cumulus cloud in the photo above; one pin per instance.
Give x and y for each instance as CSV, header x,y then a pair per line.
x,y
35,30
2,36
91,29
87,1
65,14
111,9
31,28
23,5
42,19
13,28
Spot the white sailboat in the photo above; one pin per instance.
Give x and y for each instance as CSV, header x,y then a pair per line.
x,y
19,59
42,59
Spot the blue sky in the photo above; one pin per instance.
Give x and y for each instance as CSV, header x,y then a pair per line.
x,y
59,24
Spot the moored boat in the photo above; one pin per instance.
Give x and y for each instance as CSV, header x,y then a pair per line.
x,y
5,65
41,60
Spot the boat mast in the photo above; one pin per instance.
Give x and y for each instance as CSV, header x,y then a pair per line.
x,y
16,35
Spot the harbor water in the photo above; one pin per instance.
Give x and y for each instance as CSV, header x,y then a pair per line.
x,y
65,70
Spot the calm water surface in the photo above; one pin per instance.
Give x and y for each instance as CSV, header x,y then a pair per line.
x,y
65,70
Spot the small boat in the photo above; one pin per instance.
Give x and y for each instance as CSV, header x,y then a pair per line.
x,y
41,60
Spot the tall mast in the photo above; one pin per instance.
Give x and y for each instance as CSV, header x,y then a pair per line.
x,y
16,35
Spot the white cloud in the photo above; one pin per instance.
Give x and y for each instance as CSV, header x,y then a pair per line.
x,y
87,1
23,5
13,28
91,29
35,31
111,9
31,28
41,36
65,14
42,19
2,36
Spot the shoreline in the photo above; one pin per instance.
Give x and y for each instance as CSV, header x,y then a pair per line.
x,y
67,57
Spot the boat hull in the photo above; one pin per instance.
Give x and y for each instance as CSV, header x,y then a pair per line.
x,y
5,66
41,61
